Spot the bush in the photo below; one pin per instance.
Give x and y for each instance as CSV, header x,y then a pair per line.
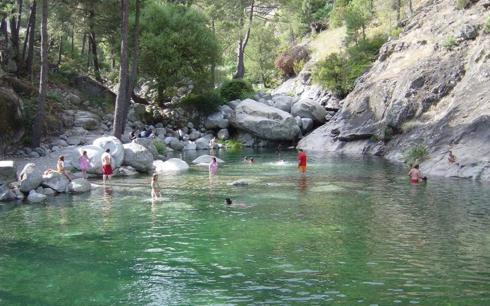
x,y
339,71
206,103
416,154
235,89
462,4
287,60
160,146
486,27
232,145
450,43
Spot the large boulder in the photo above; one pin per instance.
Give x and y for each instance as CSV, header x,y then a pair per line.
x,y
171,165
138,157
282,102
35,197
223,134
308,108
220,119
56,181
87,120
80,185
6,194
176,144
264,121
190,145
202,143
148,143
8,172
206,159
113,144
30,178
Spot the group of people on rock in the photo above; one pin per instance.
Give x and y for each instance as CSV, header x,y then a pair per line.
x,y
145,133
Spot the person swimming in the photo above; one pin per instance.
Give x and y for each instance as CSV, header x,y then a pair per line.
x,y
415,175
229,203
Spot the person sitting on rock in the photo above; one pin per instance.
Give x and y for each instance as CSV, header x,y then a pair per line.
x,y
415,175
60,168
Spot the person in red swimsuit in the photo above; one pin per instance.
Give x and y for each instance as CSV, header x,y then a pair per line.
x,y
302,161
106,165
415,175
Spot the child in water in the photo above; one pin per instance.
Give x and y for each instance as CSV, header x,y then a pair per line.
x,y
155,187
213,166
415,175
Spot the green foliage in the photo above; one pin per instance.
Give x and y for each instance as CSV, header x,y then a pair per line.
x,y
357,16
461,4
315,10
55,96
160,146
416,154
262,51
486,28
338,72
232,145
235,89
205,103
450,43
176,45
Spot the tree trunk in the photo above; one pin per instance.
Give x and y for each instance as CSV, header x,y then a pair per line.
x,y
134,61
38,125
122,95
84,40
32,36
3,27
14,33
73,41
410,6
398,10
60,50
213,65
242,44
93,45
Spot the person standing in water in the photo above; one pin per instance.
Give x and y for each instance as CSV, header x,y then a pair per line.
x,y
106,165
415,175
213,167
84,163
155,187
302,161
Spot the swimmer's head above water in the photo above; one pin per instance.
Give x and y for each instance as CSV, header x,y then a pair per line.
x,y
228,201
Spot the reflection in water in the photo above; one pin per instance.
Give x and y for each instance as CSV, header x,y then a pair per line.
x,y
302,183
351,232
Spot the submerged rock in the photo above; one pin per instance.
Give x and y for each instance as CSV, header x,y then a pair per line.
x,y
80,185
35,197
206,159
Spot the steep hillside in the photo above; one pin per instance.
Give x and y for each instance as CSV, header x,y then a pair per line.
x,y
430,87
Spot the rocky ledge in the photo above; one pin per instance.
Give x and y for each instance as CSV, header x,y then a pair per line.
x,y
423,92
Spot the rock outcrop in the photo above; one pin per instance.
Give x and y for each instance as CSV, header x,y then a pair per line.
x,y
138,157
264,121
422,92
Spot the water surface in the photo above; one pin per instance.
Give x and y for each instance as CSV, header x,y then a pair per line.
x,y
352,231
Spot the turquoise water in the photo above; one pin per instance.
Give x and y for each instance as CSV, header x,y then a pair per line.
x,y
351,232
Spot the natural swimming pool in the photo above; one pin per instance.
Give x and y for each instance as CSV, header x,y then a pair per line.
x,y
352,232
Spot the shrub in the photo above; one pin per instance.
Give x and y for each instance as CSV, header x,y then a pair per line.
x,y
235,89
416,154
410,125
233,145
486,27
206,103
160,146
450,43
287,60
339,71
462,4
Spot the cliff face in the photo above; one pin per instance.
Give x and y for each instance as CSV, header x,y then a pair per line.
x,y
431,86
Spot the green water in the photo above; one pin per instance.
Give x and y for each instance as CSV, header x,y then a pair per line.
x,y
351,232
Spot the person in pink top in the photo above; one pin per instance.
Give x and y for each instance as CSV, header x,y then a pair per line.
x,y
84,163
213,166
